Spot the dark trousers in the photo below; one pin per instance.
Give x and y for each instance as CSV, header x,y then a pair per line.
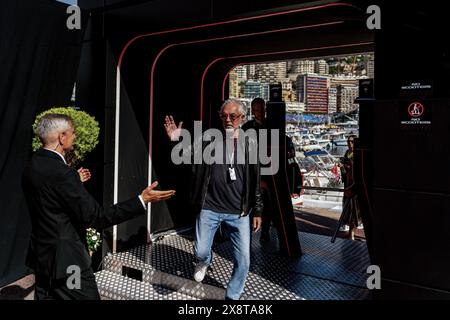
x,y
56,289
267,215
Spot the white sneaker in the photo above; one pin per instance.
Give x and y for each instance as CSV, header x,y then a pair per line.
x,y
200,271
344,228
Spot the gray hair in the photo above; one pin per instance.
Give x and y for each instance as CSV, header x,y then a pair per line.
x,y
51,124
242,107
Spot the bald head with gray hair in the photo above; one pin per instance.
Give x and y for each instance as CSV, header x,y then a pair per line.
x,y
242,108
51,125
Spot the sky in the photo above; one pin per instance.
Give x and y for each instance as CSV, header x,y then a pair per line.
x,y
68,1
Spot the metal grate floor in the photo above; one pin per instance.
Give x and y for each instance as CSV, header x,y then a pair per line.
x,y
325,271
116,287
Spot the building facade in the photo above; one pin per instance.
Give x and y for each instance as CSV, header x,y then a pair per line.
x,y
312,90
345,98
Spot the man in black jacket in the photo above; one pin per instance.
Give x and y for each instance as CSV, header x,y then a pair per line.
x,y
225,190
61,209
258,109
258,106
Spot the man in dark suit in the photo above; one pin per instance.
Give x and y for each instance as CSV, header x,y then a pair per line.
x,y
61,209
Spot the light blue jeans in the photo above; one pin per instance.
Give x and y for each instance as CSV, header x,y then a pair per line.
x,y
239,229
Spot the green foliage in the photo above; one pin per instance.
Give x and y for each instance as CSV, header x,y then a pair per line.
x,y
86,129
333,70
94,239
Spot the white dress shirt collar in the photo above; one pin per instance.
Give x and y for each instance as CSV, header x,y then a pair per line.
x,y
59,154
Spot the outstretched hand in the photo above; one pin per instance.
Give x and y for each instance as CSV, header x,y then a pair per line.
x,y
85,174
150,195
173,132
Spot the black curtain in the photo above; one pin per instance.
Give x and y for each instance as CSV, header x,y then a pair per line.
x,y
39,59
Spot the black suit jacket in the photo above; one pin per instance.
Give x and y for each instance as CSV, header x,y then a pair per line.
x,y
61,209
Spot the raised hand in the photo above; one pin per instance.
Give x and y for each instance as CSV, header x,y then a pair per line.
x,y
173,132
150,195
85,174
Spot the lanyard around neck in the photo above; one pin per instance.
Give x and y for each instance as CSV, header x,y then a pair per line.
x,y
231,159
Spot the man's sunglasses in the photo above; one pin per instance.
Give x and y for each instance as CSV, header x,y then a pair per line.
x,y
225,116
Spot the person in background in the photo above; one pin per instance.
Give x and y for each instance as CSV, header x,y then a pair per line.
x,y
294,174
258,106
352,218
258,109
